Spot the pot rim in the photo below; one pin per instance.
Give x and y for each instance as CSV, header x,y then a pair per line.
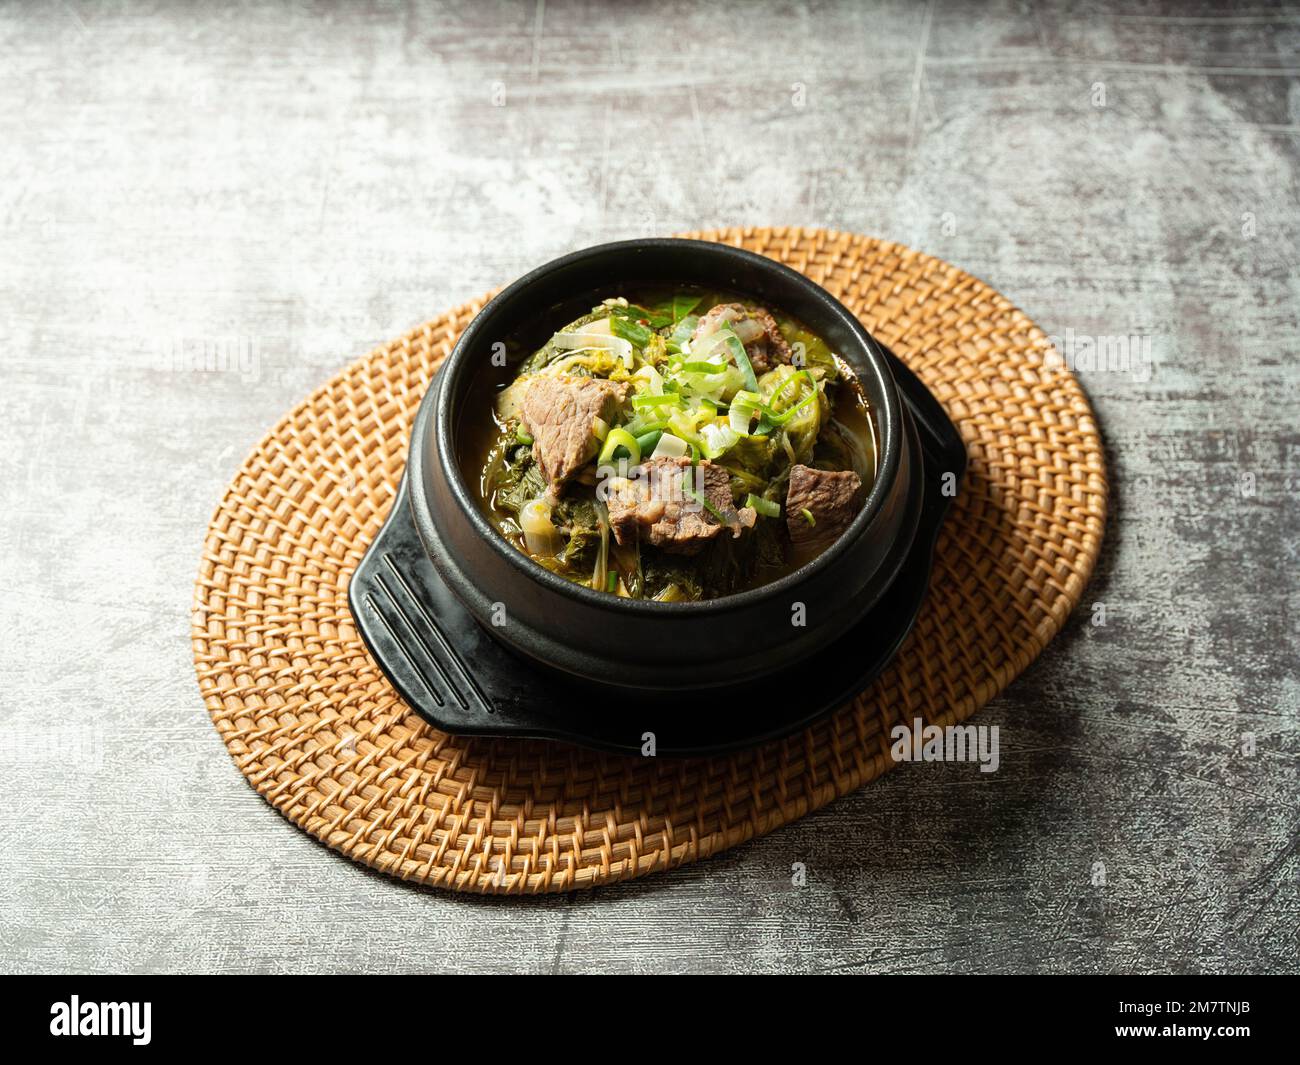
x,y
870,359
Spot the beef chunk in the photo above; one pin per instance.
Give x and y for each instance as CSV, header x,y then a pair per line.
x,y
830,497
558,413
757,330
659,502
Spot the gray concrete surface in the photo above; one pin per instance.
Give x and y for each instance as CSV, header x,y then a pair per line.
x,y
282,186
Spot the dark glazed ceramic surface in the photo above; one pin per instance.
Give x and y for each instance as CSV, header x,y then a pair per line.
x,y
637,644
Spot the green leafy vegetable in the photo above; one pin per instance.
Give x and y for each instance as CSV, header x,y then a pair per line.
x,y
519,482
655,319
772,417
630,330
682,399
552,350
577,519
683,305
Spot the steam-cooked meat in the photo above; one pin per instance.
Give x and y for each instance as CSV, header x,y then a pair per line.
x,y
830,497
660,502
558,412
757,330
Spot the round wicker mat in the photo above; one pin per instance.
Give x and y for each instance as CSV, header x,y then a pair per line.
x,y
312,723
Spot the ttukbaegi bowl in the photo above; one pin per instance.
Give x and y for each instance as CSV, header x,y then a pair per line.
x,y
643,644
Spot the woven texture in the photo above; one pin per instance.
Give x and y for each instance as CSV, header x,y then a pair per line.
x,y
315,727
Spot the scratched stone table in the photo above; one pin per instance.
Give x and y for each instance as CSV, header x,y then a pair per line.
x,y
205,212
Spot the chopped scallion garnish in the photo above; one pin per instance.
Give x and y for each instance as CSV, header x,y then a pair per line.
x,y
741,356
710,368
647,442
682,333
669,446
620,438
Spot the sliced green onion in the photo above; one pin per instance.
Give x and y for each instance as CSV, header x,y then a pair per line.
x,y
667,399
764,506
599,428
808,516
744,405
717,439
647,442
682,333
686,424
620,438
522,435
653,379
612,583
706,347
785,416
669,446
710,369
645,423
741,356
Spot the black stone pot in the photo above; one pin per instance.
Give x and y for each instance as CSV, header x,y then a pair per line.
x,y
611,642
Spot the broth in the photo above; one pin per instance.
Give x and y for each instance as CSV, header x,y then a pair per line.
x,y
673,443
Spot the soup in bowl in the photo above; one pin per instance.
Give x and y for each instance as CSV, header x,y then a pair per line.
x,y
665,465
675,444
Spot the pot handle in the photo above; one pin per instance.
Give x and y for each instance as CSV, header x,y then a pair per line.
x,y
403,614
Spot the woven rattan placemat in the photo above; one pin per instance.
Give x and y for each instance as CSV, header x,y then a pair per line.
x,y
312,723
